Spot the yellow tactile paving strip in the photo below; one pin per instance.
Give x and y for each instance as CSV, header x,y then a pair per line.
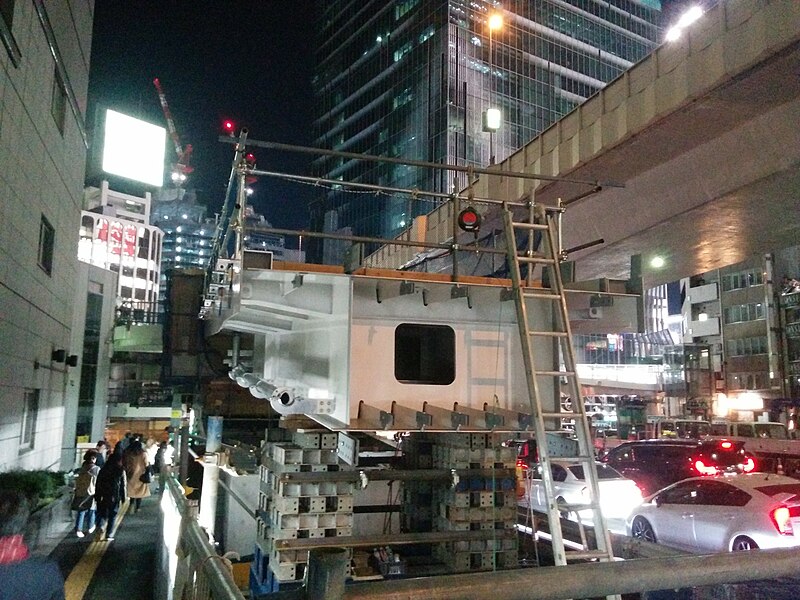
x,y
81,576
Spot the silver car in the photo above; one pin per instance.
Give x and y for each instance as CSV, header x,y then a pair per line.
x,y
722,513
618,495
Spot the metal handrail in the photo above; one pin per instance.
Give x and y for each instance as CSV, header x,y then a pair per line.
x,y
214,579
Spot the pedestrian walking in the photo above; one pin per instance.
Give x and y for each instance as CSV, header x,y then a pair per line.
x,y
111,490
83,498
23,575
138,474
123,444
160,466
150,449
102,451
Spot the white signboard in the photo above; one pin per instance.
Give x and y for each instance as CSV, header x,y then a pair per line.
x,y
134,149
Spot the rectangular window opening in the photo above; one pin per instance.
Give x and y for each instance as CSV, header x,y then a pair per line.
x,y
47,238
30,411
424,354
6,26
58,103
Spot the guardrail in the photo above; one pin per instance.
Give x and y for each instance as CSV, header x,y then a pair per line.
x,y
188,563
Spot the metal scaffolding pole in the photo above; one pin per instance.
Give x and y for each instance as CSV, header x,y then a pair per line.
x,y
589,579
420,163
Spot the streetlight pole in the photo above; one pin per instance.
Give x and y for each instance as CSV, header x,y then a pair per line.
x,y
491,94
495,21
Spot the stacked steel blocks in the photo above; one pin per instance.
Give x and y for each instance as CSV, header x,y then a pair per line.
x,y
298,510
485,502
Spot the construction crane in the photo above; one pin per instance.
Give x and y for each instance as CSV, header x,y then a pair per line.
x,y
181,169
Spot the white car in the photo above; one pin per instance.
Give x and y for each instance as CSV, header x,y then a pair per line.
x,y
722,513
618,495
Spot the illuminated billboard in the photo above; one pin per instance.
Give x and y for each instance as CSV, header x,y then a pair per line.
x,y
134,149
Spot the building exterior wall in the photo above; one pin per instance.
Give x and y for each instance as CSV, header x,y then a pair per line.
x,y
130,249
44,72
86,404
413,79
116,234
752,347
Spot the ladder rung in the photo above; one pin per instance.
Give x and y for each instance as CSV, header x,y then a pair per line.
x,y
562,334
565,413
558,415
583,554
579,507
580,457
556,373
541,295
538,226
539,260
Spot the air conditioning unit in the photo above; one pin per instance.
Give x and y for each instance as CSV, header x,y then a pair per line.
x,y
595,312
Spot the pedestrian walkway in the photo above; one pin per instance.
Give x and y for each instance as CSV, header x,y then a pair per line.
x,y
122,568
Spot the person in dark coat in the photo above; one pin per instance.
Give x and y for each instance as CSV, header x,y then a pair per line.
x,y
23,575
111,490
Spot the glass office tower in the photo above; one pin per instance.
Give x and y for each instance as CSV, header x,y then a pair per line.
x,y
414,79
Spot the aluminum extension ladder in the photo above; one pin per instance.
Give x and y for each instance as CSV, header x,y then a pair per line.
x,y
544,221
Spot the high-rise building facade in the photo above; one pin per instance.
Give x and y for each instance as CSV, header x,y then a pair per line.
x,y
188,233
414,79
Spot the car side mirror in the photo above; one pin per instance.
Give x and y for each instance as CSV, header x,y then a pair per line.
x,y
658,501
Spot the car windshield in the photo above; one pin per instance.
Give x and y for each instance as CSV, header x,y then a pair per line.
x,y
603,472
692,429
771,430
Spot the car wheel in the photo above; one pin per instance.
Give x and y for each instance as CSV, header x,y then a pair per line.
x,y
641,529
743,543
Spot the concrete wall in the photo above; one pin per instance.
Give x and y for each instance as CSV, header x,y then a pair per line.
x,y
99,281
41,174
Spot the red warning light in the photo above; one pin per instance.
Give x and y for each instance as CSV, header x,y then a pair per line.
x,y
469,219
228,126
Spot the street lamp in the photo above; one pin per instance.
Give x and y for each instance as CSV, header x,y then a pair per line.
x,y
686,19
492,117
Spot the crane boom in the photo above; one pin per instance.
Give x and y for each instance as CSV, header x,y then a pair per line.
x,y
183,154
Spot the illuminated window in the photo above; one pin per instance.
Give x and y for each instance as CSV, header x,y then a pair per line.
x,y
402,51
424,354
402,8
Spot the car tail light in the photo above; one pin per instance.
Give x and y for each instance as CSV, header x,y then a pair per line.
x,y
782,520
749,465
704,469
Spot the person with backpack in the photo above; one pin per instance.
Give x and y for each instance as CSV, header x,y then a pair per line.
x,y
111,490
83,498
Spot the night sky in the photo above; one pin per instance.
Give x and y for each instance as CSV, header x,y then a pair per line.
x,y
250,62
